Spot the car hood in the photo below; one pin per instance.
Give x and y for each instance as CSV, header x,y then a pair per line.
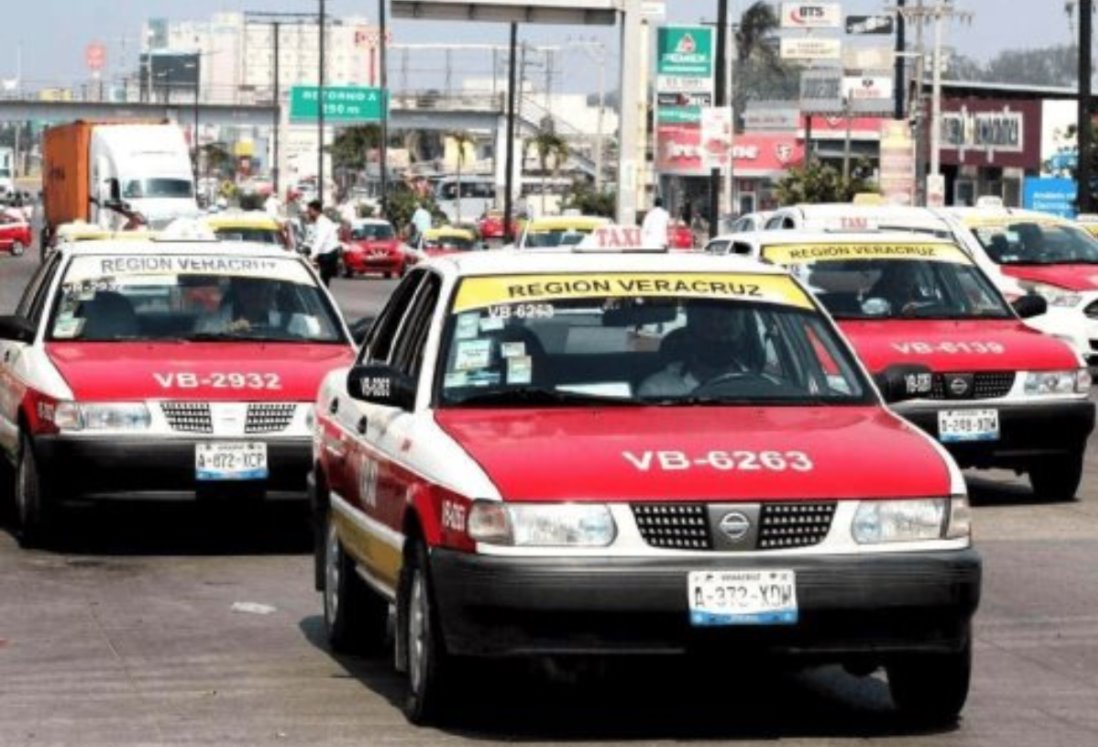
x,y
389,245
125,371
677,454
977,345
1081,277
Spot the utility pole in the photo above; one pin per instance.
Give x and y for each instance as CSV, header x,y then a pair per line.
x,y
901,62
383,77
276,30
1085,129
320,105
509,177
720,101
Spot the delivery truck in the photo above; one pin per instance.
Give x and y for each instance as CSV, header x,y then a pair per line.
x,y
115,174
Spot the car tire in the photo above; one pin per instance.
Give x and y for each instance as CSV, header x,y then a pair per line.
x,y
1057,478
355,616
17,249
428,664
34,512
931,688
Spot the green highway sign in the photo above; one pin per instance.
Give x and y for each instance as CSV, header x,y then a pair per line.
x,y
684,51
344,105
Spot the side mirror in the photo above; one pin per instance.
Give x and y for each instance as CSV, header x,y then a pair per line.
x,y
904,381
361,329
381,385
17,329
1030,305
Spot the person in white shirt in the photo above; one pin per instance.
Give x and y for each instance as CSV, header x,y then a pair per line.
x,y
272,206
421,223
325,242
654,228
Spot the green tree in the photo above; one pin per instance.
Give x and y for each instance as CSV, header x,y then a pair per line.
x,y
760,73
462,140
819,182
219,161
549,146
351,147
589,202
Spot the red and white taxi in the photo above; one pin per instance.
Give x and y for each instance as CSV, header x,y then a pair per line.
x,y
15,233
576,453
1044,254
372,246
1001,394
163,370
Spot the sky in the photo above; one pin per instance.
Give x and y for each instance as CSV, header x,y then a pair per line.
x,y
54,33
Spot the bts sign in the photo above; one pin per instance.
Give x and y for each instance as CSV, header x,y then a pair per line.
x,y
811,15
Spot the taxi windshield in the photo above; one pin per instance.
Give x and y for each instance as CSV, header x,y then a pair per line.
x,y
1033,243
548,238
587,345
930,282
174,298
372,232
450,243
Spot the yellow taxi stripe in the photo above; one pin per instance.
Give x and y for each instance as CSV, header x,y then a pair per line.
x,y
792,254
480,292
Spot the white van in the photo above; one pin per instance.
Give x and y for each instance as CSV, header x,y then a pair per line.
x,y
478,194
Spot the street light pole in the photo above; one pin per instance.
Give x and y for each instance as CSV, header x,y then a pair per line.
x,y
276,29
383,78
720,100
509,177
1085,128
320,106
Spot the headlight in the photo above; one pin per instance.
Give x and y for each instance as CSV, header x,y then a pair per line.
x,y
1055,296
877,522
538,525
101,416
1057,382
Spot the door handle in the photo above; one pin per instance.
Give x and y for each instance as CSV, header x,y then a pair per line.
x,y
363,423
333,406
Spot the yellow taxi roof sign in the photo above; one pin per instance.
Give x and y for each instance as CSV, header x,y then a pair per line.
x,y
867,198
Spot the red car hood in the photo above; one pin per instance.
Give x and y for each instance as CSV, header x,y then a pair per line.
x,y
979,345
642,453
124,371
1071,277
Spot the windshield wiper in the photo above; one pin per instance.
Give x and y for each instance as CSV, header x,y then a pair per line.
x,y
538,396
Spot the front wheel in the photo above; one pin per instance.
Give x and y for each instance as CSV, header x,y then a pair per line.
x,y
1057,478
931,688
428,663
355,616
33,509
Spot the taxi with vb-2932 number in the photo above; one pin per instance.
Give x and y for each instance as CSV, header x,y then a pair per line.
x,y
162,370
548,454
1000,394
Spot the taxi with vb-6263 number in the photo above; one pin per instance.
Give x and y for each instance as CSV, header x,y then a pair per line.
x,y
575,453
1001,394
163,369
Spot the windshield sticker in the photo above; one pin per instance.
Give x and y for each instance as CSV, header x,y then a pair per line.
x,y
512,349
68,329
96,268
491,323
793,254
520,369
497,292
473,355
455,380
468,326
484,378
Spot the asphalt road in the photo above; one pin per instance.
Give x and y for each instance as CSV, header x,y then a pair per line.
x,y
126,635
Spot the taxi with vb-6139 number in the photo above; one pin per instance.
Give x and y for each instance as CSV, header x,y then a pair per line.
x,y
163,369
1001,394
579,453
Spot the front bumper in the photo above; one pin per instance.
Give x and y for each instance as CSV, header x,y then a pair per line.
x,y
1027,433
96,468
849,606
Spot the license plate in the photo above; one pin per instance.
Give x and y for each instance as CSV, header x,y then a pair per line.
x,y
230,461
742,597
968,425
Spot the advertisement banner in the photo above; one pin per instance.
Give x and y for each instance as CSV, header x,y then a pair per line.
x,y
716,136
1050,195
758,154
857,25
868,94
822,91
864,59
679,151
897,165
684,51
810,48
1004,133
811,15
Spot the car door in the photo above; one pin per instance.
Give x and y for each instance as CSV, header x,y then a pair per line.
x,y
382,473
13,374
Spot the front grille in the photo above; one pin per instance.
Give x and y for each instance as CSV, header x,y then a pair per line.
x,y
787,525
985,385
674,526
188,417
781,526
269,417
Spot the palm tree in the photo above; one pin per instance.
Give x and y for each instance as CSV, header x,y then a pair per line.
x,y
462,140
548,144
759,66
757,25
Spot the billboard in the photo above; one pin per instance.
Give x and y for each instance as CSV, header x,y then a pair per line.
x,y
810,48
991,132
897,163
684,58
1050,195
811,15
